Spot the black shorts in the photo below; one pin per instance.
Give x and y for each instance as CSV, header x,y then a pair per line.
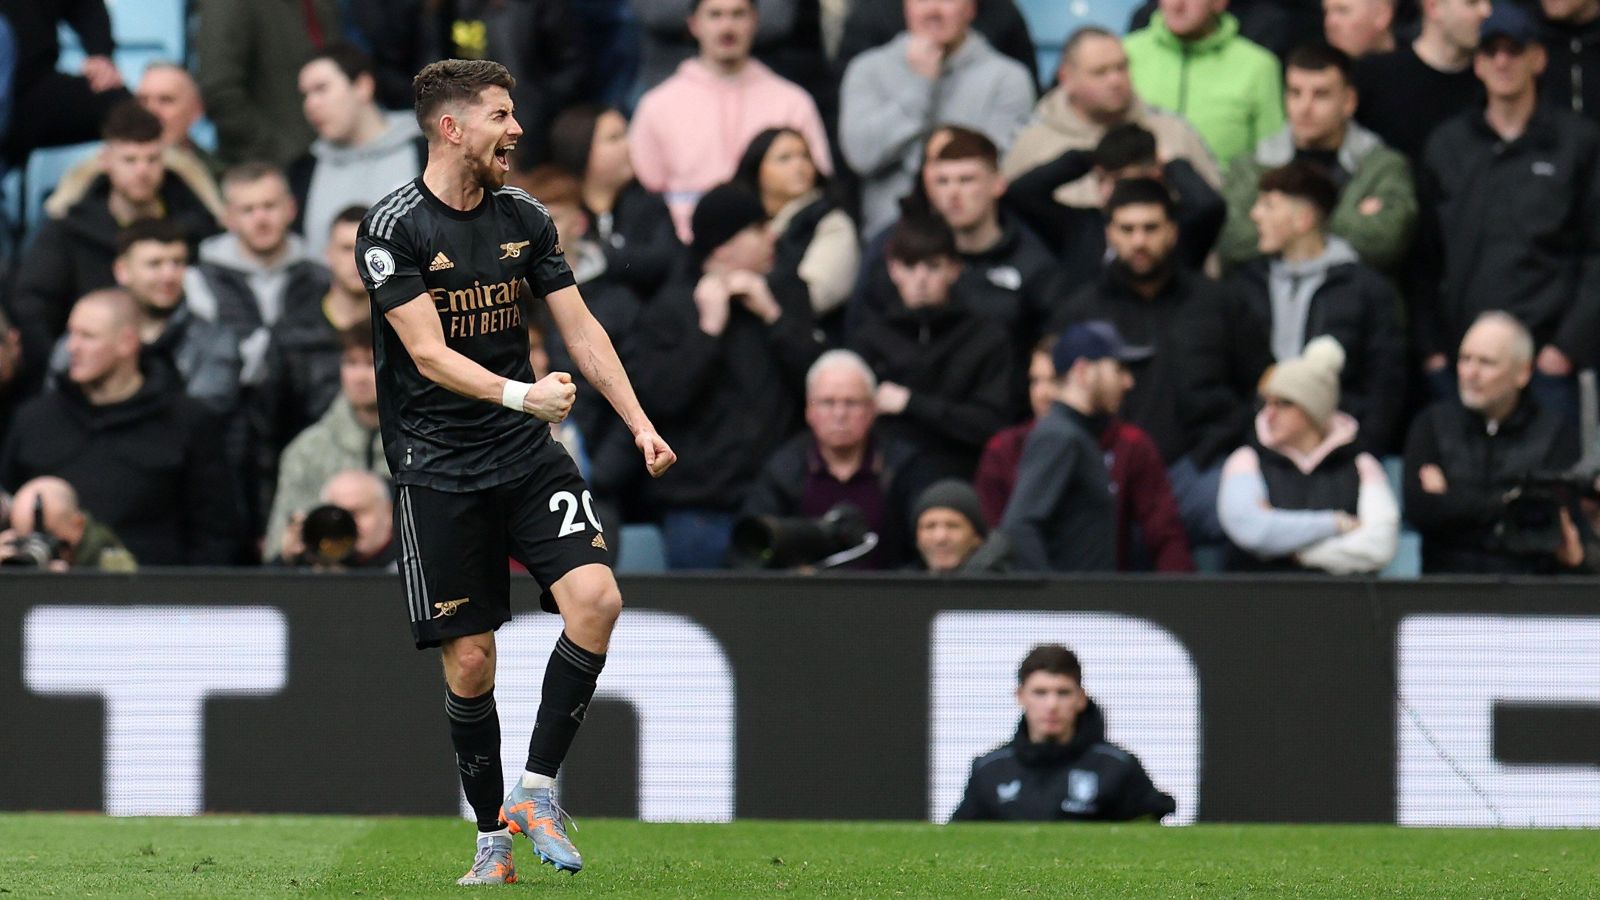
x,y
455,547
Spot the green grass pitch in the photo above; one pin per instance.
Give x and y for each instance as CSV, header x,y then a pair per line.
x,y
288,856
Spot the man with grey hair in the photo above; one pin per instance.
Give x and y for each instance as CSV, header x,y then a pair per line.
x,y
1468,457
366,497
841,458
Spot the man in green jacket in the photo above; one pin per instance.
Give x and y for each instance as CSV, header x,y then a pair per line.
x,y
1192,60
1377,209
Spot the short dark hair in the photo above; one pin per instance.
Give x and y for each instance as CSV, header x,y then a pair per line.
x,y
1315,56
350,59
130,123
250,173
159,231
350,215
356,337
1052,658
919,238
1069,50
1141,192
1125,145
453,81
965,143
572,136
694,5
1306,181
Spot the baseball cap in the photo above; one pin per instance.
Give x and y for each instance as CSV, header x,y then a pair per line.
x,y
1094,340
1507,20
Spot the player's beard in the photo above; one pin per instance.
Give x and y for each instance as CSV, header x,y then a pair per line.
x,y
488,173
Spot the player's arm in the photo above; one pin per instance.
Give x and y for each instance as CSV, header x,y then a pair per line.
x,y
597,359
417,324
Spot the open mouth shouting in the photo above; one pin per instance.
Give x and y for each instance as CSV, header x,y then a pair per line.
x,y
502,155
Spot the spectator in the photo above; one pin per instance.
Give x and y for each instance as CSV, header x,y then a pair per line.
x,y
843,459
631,224
400,36
1007,275
1191,59
689,131
788,39
1149,533
944,373
1193,395
247,55
952,538
1310,283
1571,37
816,240
1409,92
346,437
1077,234
252,276
1093,95
1359,27
1511,218
1301,496
48,505
11,366
1377,203
721,363
1060,517
366,498
50,108
146,459
871,25
72,256
1059,765
168,92
1466,454
936,71
361,152
609,32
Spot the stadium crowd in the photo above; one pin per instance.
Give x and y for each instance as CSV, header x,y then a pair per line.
x,y
1269,288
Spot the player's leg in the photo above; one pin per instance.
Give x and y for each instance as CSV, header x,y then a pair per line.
x,y
469,663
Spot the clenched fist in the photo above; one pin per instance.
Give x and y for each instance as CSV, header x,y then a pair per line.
x,y
550,398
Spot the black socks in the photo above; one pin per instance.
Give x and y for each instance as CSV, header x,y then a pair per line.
x,y
475,732
569,680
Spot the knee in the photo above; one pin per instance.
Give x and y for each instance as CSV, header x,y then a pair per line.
x,y
600,606
471,671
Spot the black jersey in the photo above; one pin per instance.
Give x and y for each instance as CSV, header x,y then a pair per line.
x,y
478,267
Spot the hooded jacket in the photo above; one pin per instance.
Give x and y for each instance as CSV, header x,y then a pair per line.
x,y
1229,87
1336,295
330,177
1514,226
1086,778
150,468
1279,507
230,288
1375,172
886,111
958,368
871,25
1056,128
689,131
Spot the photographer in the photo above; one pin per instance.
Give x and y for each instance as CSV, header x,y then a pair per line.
x,y
352,529
1470,460
49,531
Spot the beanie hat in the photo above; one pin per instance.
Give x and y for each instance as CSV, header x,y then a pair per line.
x,y
1311,380
722,213
952,494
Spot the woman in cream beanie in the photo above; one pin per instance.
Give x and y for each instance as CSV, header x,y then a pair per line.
x,y
1301,496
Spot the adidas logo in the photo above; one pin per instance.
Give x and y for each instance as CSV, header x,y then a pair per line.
x,y
599,541
440,263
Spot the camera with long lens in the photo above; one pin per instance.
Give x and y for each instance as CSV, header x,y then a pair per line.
x,y
329,536
1530,523
836,537
37,549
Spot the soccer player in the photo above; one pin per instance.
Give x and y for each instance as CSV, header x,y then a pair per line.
x,y
451,260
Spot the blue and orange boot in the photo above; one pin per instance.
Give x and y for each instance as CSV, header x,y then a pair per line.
x,y
492,865
534,812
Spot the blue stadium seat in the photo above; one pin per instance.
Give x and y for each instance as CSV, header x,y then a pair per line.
x,y
45,168
1407,562
1051,22
151,23
643,550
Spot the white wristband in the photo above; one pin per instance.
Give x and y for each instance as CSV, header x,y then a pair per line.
x,y
514,393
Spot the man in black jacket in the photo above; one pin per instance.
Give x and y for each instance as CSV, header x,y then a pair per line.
x,y
1059,766
50,107
146,460
72,256
1195,394
1310,283
1467,457
722,356
1511,218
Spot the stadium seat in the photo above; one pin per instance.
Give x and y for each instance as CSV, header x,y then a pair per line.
x,y
1051,22
643,550
154,23
45,168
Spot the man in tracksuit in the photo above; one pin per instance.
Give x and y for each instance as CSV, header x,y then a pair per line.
x,y
1059,766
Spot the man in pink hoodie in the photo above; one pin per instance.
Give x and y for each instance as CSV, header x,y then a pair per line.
x,y
690,130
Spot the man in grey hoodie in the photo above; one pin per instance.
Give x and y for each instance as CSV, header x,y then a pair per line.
x,y
361,152
938,71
